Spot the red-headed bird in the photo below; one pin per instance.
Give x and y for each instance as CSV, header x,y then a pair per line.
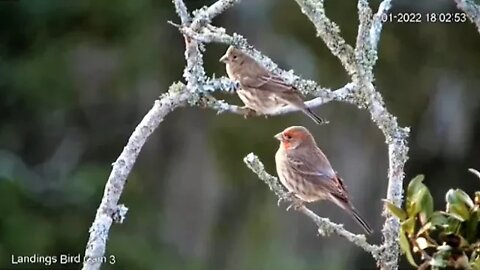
x,y
307,174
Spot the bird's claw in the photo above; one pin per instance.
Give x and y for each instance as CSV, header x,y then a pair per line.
x,y
280,201
289,196
296,202
248,112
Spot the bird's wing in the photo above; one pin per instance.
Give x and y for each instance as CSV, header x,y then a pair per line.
x,y
268,82
318,172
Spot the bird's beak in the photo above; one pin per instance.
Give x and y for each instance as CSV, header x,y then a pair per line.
x,y
223,59
279,136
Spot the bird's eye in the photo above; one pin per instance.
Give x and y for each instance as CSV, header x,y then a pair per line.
x,y
288,137
234,57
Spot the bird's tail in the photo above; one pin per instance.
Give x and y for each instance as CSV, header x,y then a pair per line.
x,y
353,212
361,221
317,119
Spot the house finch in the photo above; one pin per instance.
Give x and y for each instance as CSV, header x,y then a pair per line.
x,y
307,174
262,91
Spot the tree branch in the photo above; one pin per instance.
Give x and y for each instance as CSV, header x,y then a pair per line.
x,y
376,28
205,15
471,9
182,12
358,63
325,226
109,210
178,95
340,94
329,32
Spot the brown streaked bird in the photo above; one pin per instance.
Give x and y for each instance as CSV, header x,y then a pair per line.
x,y
262,91
307,174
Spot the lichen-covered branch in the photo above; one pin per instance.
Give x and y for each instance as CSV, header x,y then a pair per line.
x,y
194,72
221,106
182,12
366,96
325,226
358,63
362,49
178,94
329,32
376,29
471,9
205,15
196,91
109,209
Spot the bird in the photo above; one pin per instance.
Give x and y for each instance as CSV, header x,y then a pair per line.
x,y
304,170
261,91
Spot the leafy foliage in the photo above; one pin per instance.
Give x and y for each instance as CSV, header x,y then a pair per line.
x,y
442,239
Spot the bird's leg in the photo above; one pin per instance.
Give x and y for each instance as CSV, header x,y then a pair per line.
x,y
248,112
290,196
296,204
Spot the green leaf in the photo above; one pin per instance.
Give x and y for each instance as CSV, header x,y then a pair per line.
x,y
419,199
476,264
408,225
453,224
412,208
438,219
413,186
426,206
455,196
395,210
405,246
464,198
459,211
472,225
451,197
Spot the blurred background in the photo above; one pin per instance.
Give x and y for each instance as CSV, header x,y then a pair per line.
x,y
76,77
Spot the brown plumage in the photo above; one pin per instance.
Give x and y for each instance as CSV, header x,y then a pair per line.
x,y
261,90
306,172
